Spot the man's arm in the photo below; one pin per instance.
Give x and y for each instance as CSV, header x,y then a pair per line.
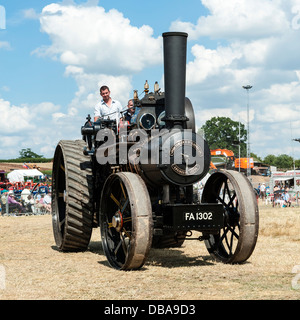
x,y
12,201
97,112
120,109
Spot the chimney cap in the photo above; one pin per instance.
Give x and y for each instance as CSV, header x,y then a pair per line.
x,y
168,34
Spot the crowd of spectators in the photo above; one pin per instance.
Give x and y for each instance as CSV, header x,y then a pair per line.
x,y
25,198
281,196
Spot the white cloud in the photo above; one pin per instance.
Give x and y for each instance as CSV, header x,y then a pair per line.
x,y
20,116
209,62
29,126
237,62
9,142
89,84
280,103
30,14
237,19
5,45
206,114
98,41
285,93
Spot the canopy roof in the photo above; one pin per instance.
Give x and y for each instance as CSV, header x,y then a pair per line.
x,y
18,175
284,176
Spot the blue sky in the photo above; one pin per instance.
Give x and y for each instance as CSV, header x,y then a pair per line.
x,y
54,55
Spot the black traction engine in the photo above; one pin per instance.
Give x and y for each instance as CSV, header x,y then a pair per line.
x,y
135,180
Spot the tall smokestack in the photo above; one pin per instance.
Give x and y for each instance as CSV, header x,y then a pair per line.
x,y
175,44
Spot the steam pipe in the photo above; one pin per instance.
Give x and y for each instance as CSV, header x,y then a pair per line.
x,y
175,45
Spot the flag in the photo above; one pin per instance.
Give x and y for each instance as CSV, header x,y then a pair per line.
x,y
25,166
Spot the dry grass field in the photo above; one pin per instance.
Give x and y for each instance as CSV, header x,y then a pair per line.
x,y
7,166
34,269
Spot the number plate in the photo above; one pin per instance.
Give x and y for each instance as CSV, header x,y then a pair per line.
x,y
196,217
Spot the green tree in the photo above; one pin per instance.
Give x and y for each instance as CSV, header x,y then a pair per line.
x,y
284,161
27,153
223,133
255,156
270,160
297,163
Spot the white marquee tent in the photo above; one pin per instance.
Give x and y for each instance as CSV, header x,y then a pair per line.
x,y
18,175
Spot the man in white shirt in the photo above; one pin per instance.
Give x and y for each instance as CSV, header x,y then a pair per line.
x,y
263,191
25,193
47,202
107,107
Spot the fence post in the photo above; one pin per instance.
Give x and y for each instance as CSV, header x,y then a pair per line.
x,y
6,206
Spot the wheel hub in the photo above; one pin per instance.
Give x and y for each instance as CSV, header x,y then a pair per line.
x,y
117,221
232,217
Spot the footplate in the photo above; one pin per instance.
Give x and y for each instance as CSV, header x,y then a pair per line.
x,y
207,216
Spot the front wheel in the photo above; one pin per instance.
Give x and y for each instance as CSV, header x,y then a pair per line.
x,y
126,221
236,241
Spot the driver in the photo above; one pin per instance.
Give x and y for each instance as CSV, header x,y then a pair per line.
x,y
107,107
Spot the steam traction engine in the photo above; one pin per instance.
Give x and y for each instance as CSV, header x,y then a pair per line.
x,y
136,182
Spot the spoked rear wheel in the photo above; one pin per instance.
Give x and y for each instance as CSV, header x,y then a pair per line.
x,y
236,241
125,221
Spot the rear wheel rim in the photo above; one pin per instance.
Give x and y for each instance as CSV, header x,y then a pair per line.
x,y
236,241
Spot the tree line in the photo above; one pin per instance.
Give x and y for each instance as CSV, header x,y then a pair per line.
x,y
224,133
27,155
